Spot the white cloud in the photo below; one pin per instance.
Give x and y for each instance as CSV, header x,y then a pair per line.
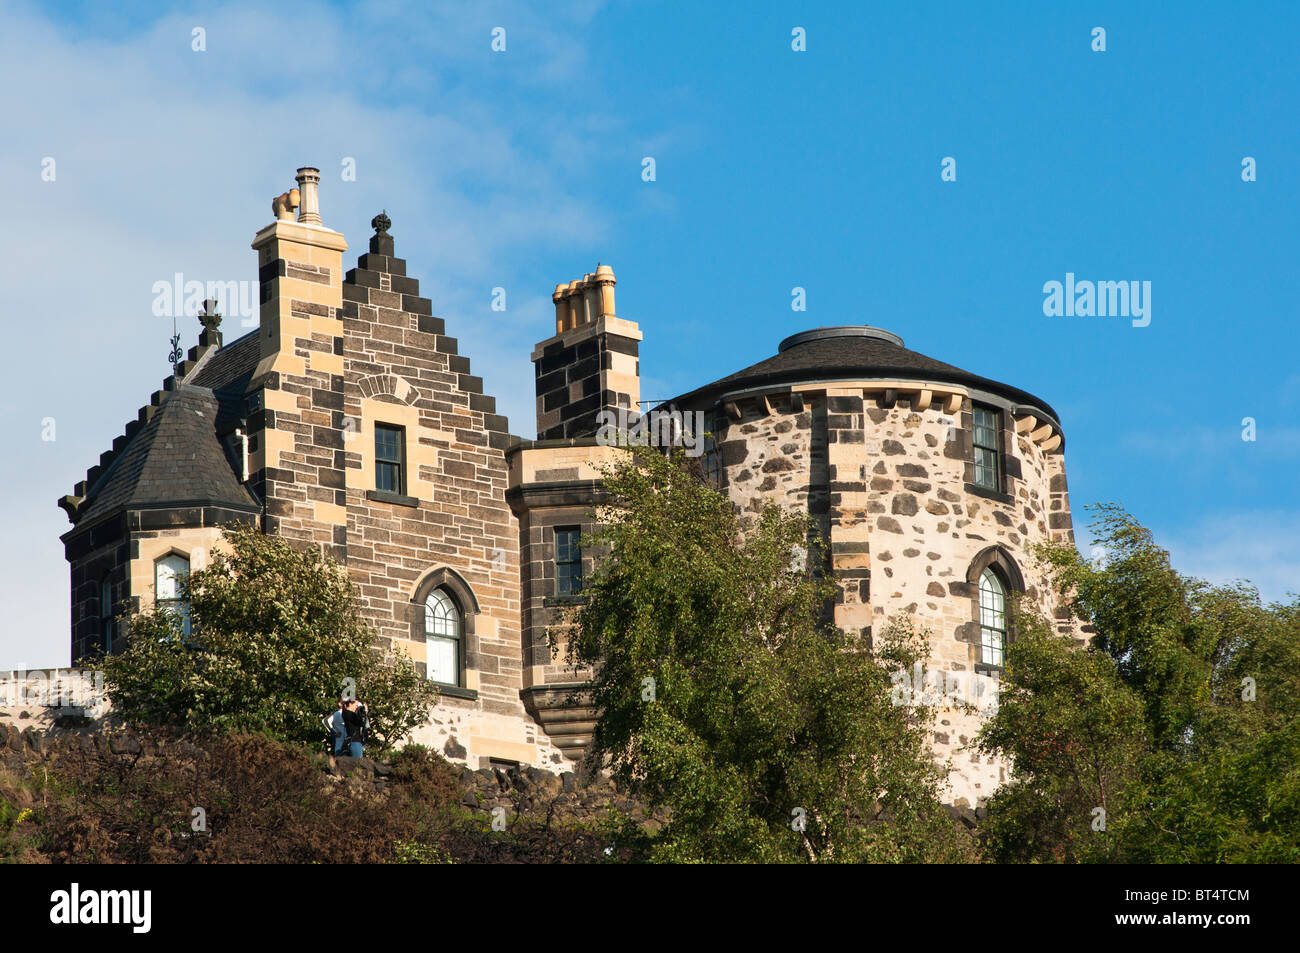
x,y
167,161
1261,547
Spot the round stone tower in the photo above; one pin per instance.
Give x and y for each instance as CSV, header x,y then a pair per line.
x,y
929,484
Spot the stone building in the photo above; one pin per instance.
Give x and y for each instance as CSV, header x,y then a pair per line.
x,y
348,420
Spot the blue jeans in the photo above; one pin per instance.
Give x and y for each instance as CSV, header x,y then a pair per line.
x,y
356,749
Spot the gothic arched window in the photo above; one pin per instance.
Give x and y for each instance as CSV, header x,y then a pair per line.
x,y
442,638
992,579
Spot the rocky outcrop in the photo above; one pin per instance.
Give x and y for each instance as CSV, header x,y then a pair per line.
x,y
566,797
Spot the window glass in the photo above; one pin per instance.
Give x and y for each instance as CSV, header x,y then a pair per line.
x,y
568,561
442,638
993,618
106,613
388,458
987,467
169,574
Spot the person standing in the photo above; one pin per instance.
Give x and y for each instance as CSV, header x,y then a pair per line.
x,y
355,720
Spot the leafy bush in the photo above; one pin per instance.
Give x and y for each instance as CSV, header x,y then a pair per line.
x,y
276,638
1180,721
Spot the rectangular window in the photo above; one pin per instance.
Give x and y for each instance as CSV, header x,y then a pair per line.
x,y
988,466
389,450
568,561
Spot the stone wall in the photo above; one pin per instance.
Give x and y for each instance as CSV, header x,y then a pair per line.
x,y
401,369
88,569
138,540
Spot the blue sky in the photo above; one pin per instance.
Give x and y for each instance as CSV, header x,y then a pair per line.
x,y
774,169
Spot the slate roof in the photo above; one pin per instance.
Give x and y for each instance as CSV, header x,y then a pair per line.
x,y
853,352
175,458
231,367
227,374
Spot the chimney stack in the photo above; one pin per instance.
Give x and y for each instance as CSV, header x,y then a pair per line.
x,y
300,267
591,363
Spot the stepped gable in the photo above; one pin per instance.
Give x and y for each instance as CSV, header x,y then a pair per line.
x,y
853,352
174,459
380,281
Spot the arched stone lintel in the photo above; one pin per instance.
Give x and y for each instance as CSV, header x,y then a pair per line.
x,y
391,385
996,556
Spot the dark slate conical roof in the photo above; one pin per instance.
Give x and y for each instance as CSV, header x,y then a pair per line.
x,y
175,459
851,352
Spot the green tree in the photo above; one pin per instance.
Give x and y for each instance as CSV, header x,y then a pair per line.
x,y
276,637
726,695
1180,720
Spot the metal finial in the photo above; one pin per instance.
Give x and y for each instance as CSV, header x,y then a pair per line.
x,y
176,352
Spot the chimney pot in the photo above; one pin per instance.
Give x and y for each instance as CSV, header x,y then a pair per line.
x,y
574,301
604,281
308,187
561,308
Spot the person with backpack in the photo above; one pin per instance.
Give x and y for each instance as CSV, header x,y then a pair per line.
x,y
335,730
356,722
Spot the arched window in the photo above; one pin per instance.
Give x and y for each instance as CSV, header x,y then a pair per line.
x,y
106,613
993,618
170,573
443,610
442,638
991,579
